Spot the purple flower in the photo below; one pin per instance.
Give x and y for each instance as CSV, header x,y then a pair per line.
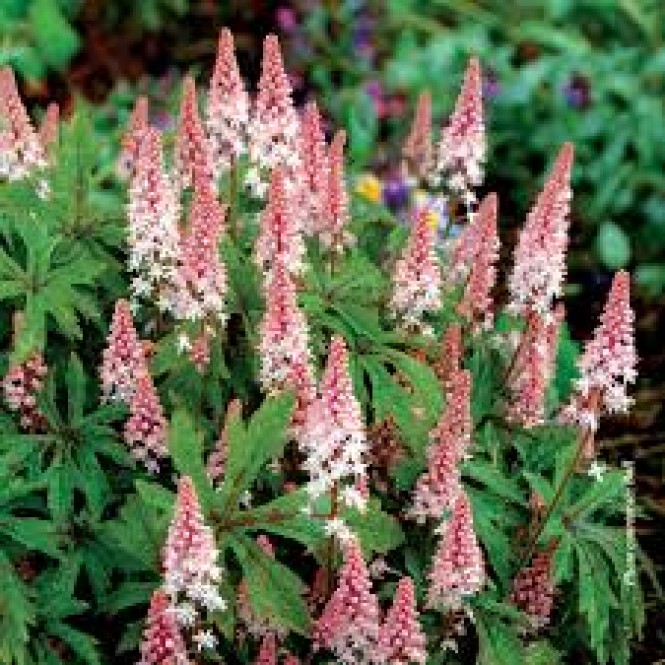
x,y
395,193
491,85
286,19
577,92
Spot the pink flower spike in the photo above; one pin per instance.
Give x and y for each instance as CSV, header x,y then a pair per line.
x,y
50,127
129,146
349,624
153,232
461,151
608,364
450,358
333,436
533,590
162,642
458,567
540,255
145,430
438,488
284,336
267,651
228,106
20,386
314,161
216,464
201,279
334,234
401,639
123,360
417,150
417,278
193,159
476,303
279,236
274,125
21,151
189,556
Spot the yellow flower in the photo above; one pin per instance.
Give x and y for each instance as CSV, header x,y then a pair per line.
x,y
369,187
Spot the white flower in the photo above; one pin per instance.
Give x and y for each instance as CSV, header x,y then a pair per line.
x,y
205,640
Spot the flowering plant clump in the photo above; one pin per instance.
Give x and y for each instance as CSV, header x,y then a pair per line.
x,y
249,415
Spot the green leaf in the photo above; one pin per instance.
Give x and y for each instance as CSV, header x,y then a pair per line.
x,y
275,592
56,39
34,534
379,532
498,643
17,615
82,644
613,246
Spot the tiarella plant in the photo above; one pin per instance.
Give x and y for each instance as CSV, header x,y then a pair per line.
x,y
250,418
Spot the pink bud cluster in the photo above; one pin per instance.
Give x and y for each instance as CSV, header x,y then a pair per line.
x,y
439,487
540,256
228,107
284,342
21,151
189,560
534,368
279,236
333,436
461,151
129,147
216,465
201,279
192,160
162,642
417,150
274,125
417,278
334,235
608,363
123,360
267,651
401,639
314,164
349,624
476,303
533,590
20,386
145,429
153,213
458,567
450,359
50,127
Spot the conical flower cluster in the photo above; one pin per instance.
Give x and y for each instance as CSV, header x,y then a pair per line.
x,y
192,160
314,165
274,126
608,364
476,303
279,235
201,292
401,639
189,559
533,590
417,278
162,643
123,360
461,151
540,256
458,567
439,487
349,624
20,386
50,127
228,107
333,436
145,429
153,233
450,356
129,148
216,465
284,336
417,150
334,235
21,151
533,369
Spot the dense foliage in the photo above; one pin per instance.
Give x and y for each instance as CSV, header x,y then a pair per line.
x,y
214,413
